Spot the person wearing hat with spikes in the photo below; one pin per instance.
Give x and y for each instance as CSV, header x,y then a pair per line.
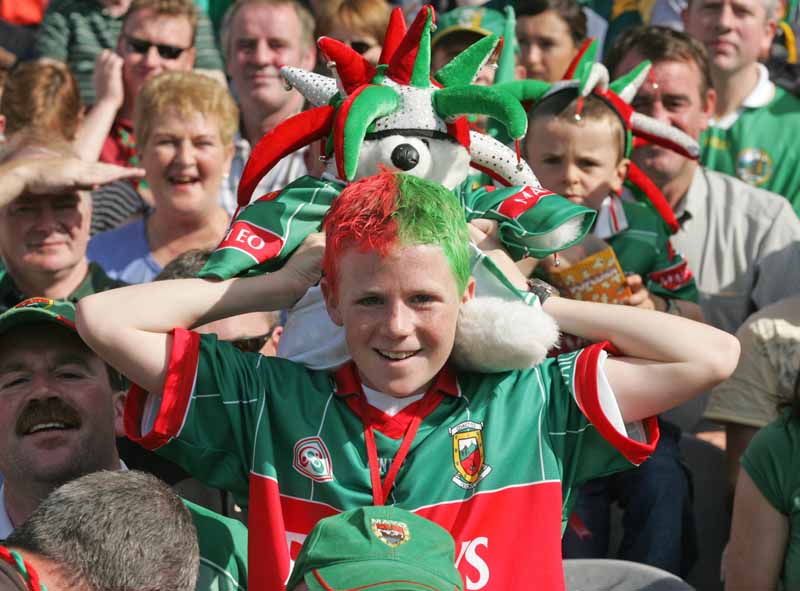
x,y
61,410
491,457
579,145
383,548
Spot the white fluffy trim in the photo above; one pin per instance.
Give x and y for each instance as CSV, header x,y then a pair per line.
x,y
558,238
495,335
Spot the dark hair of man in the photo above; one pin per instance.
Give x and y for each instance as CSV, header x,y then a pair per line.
x,y
114,531
563,105
187,264
570,12
660,44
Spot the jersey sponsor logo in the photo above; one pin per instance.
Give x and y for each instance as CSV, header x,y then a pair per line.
x,y
391,533
754,166
521,202
673,278
468,456
469,553
258,243
312,459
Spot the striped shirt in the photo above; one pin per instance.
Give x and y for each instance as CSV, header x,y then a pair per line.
x,y
76,31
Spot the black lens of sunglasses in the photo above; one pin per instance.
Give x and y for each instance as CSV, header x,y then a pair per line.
x,y
168,52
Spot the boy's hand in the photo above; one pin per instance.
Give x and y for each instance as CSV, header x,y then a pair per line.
x,y
304,267
484,234
641,296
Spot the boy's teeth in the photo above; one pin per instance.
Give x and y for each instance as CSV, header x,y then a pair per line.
x,y
396,355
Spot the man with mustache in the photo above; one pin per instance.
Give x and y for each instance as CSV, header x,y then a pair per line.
x,y
60,411
754,123
258,37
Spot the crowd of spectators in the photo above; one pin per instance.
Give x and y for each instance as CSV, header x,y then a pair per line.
x,y
126,127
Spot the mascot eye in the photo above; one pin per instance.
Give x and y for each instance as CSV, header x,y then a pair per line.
x,y
405,157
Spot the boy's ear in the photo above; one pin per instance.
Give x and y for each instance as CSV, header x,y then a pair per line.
x,y
469,291
620,176
331,302
119,413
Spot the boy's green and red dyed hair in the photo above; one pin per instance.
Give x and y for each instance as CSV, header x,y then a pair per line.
x,y
395,209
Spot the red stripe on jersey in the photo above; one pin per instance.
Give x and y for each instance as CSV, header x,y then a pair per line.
x,y
174,398
588,399
674,277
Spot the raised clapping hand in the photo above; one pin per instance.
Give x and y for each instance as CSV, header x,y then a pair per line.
x,y
304,267
107,78
484,234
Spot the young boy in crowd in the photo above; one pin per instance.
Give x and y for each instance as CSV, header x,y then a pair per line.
x,y
489,457
578,147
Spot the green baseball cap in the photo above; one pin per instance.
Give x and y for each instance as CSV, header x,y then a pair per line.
x,y
35,310
484,21
381,548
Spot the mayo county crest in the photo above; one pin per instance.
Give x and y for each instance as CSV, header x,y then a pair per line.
x,y
468,455
391,533
754,166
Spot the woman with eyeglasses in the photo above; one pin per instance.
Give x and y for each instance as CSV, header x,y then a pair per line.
x,y
361,24
184,123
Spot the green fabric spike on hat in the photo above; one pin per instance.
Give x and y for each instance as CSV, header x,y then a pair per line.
x,y
506,62
421,74
583,70
628,85
372,103
525,90
459,100
463,68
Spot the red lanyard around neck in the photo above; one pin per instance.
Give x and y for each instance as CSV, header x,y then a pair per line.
x,y
381,490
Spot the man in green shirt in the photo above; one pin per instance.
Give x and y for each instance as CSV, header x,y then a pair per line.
x,y
45,216
755,123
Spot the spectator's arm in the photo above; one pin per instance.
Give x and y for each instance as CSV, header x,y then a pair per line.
x,y
54,175
737,438
759,535
131,327
52,38
666,360
778,275
110,93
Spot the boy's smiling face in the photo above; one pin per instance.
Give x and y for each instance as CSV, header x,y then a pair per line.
x,y
579,160
399,313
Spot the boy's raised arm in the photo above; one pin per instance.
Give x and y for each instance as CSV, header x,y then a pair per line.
x,y
131,327
666,360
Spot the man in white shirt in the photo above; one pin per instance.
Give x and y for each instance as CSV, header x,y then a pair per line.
x,y
258,37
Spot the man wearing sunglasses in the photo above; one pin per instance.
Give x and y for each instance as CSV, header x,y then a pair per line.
x,y
157,36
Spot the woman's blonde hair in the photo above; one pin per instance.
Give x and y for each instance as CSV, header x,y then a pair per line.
x,y
185,93
42,94
370,17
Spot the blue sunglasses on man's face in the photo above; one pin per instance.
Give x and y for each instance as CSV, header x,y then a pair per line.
x,y
167,52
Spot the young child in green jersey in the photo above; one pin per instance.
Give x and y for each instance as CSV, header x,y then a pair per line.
x,y
577,147
489,457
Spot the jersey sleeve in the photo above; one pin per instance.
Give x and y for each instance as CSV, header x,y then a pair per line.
x,y
772,463
207,416
585,423
671,276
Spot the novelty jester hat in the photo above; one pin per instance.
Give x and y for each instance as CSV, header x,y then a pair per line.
x,y
586,77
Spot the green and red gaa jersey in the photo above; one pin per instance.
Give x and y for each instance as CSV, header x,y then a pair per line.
x,y
223,550
494,459
643,247
758,143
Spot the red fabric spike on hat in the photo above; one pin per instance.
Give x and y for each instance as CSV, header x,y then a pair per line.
x,y
286,137
459,129
654,195
351,67
401,65
577,59
394,35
